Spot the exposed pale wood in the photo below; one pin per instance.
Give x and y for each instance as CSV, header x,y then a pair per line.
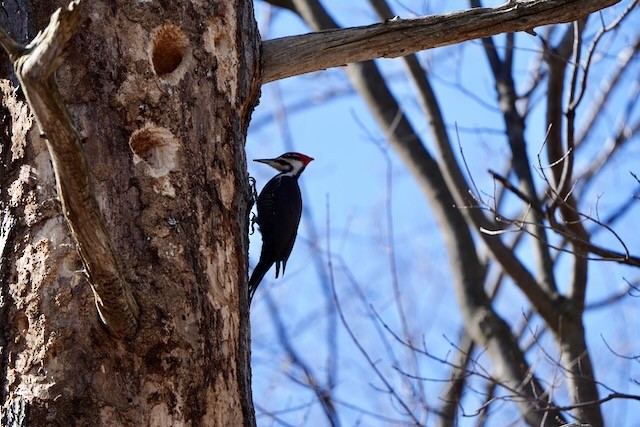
x,y
295,55
35,66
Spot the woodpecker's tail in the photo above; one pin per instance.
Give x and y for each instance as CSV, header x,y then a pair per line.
x,y
257,275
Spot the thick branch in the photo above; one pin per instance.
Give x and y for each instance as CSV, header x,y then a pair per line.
x,y
291,56
540,298
35,66
460,189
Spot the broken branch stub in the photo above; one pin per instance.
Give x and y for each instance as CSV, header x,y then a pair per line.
x,y
35,65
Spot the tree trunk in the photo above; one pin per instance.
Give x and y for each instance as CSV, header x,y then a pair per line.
x,y
162,93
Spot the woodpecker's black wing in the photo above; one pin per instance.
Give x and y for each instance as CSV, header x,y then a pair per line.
x,y
279,210
295,210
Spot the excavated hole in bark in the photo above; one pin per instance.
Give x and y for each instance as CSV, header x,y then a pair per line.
x,y
169,47
156,147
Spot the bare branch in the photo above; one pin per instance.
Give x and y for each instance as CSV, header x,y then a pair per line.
x,y
514,125
583,86
566,232
408,412
452,174
566,176
453,393
310,380
473,300
285,4
607,88
561,158
35,66
597,402
624,134
291,56
505,182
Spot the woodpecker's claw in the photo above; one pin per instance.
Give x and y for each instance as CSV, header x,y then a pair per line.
x,y
254,198
254,193
252,223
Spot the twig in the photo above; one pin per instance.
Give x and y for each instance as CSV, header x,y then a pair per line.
x,y
323,395
605,29
593,402
505,182
352,335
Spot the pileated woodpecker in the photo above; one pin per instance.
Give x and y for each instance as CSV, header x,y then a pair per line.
x,y
279,210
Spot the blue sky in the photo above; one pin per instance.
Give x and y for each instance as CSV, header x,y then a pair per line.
x,y
327,120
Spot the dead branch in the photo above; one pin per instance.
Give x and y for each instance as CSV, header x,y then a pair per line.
x,y
291,56
35,65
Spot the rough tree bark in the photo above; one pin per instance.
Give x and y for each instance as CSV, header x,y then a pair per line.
x,y
161,94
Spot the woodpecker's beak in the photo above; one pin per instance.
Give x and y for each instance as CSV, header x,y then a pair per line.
x,y
269,162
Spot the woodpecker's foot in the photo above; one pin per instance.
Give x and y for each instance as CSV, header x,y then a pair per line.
x,y
254,192
252,223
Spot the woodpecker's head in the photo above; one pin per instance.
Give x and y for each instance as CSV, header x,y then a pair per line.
x,y
289,163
